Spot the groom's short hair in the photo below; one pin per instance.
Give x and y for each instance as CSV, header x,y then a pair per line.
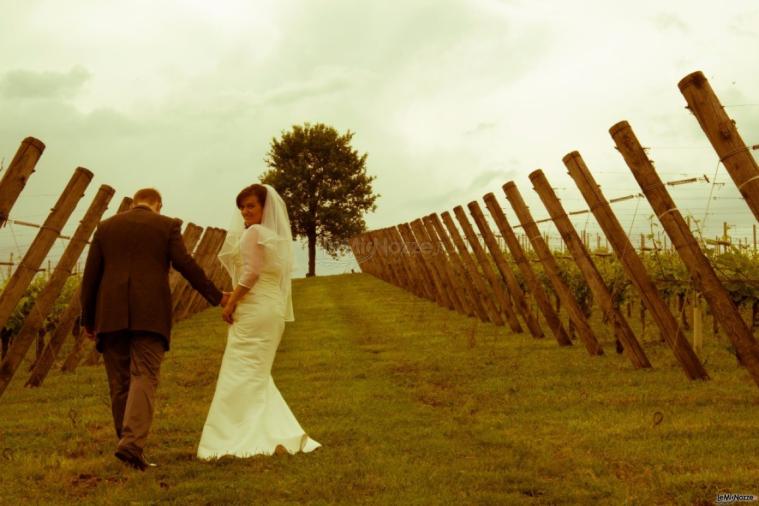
x,y
148,195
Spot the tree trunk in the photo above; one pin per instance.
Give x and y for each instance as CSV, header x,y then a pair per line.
x,y
311,254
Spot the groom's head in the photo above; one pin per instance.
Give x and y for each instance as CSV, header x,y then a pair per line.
x,y
148,197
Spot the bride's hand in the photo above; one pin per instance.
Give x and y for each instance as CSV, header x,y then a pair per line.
x,y
229,309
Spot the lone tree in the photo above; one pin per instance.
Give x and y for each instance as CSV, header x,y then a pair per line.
x,y
323,181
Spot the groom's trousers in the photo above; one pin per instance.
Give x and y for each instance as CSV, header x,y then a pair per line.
x,y
132,362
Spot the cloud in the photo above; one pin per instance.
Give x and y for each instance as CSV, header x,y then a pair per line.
x,y
326,81
485,126
26,84
667,21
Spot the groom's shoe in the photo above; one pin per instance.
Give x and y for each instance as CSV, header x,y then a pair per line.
x,y
133,458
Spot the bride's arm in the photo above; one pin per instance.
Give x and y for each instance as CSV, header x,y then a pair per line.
x,y
252,263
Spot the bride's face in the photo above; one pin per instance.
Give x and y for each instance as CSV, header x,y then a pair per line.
x,y
251,210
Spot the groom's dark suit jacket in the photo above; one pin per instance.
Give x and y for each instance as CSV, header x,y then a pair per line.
x,y
125,285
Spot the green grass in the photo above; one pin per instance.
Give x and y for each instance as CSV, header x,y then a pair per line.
x,y
413,404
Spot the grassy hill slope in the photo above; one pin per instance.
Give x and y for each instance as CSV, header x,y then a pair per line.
x,y
413,404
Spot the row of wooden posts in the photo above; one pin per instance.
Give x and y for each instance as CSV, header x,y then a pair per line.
x,y
204,243
435,262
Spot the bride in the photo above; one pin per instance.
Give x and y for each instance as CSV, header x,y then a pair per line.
x,y
248,415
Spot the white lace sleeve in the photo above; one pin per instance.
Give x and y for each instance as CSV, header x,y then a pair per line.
x,y
252,254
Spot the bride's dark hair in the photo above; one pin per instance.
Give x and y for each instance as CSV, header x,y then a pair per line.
x,y
256,189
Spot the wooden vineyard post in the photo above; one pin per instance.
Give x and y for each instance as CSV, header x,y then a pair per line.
x,y
414,276
633,266
588,268
486,296
66,321
205,262
551,269
184,287
423,280
436,268
424,276
214,271
395,257
496,285
724,136
125,205
16,175
353,245
381,268
698,327
362,245
38,250
471,294
47,297
373,260
505,270
449,263
190,237
392,272
533,285
701,271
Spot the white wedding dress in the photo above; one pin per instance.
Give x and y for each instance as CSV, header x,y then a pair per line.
x,y
248,415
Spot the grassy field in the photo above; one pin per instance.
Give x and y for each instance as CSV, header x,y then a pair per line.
x,y
413,404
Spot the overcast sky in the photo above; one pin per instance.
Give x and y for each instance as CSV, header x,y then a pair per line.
x,y
450,99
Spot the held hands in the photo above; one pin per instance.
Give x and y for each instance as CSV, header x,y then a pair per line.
x,y
229,308
228,311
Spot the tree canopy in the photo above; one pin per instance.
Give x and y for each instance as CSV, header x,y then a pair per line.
x,y
324,183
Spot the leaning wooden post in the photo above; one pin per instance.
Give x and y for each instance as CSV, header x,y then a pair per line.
x,y
377,264
190,238
391,272
46,299
186,307
377,261
216,275
384,270
496,285
381,269
470,293
588,268
66,321
504,269
698,328
183,287
407,264
214,270
426,249
362,253
724,136
430,253
552,270
424,282
486,295
701,271
424,276
533,285
633,266
464,306
205,263
393,254
42,243
18,172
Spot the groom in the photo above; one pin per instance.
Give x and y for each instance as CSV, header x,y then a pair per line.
x,y
127,310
